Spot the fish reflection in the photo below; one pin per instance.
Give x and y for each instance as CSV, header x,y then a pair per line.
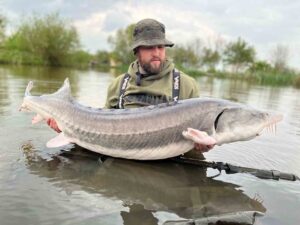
x,y
144,187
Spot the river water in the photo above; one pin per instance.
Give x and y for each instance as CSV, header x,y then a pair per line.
x,y
73,186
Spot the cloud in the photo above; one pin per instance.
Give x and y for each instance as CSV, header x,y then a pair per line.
x,y
260,23
91,25
115,20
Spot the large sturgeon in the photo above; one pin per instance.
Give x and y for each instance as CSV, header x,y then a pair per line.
x,y
147,133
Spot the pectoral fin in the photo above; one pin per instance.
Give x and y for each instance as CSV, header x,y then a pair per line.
x,y
37,118
199,137
58,141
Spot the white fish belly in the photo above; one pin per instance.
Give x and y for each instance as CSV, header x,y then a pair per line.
x,y
162,152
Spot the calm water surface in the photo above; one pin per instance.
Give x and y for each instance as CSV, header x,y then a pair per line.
x,y
72,186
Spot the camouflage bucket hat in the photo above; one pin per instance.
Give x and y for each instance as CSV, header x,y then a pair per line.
x,y
149,32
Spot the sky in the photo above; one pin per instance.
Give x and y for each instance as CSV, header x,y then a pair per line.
x,y
261,23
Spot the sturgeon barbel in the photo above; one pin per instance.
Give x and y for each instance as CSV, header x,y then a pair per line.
x,y
153,132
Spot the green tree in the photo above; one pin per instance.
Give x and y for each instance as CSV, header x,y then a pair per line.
x,y
80,58
239,55
210,58
16,51
102,58
2,29
183,56
120,43
50,39
260,66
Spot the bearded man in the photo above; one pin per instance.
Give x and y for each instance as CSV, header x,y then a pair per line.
x,y
152,78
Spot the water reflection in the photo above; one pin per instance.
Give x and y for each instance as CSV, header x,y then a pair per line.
x,y
46,78
144,187
80,191
234,90
89,87
4,93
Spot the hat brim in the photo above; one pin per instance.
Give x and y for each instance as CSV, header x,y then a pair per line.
x,y
152,42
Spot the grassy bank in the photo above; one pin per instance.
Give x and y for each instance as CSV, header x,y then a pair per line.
x,y
284,78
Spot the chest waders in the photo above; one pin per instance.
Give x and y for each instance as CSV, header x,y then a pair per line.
x,y
151,99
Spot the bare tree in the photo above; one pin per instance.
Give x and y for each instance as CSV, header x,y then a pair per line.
x,y
279,57
197,46
220,45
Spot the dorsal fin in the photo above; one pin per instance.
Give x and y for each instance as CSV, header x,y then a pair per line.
x,y
64,92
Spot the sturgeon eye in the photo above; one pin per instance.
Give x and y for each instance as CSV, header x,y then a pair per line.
x,y
217,119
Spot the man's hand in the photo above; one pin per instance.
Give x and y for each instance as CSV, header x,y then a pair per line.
x,y
52,123
203,148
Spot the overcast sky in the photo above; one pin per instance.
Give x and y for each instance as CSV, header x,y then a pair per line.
x,y
263,24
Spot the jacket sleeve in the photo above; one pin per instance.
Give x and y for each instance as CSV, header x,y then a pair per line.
x,y
113,91
189,88
195,89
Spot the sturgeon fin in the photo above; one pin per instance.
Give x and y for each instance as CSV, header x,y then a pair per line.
x,y
28,88
58,141
37,118
64,92
199,137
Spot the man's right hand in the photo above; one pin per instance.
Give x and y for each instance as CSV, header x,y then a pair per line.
x,y
52,123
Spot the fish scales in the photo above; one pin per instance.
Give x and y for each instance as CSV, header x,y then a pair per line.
x,y
153,132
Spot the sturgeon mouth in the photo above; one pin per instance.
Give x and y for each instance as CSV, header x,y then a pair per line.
x,y
270,124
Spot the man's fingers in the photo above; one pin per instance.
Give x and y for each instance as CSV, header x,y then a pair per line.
x,y
203,148
210,146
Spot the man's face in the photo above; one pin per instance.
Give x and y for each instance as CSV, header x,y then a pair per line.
x,y
151,58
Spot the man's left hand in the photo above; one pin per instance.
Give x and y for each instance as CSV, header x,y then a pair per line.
x,y
203,148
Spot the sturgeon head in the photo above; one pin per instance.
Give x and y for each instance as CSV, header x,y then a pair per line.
x,y
241,123
45,106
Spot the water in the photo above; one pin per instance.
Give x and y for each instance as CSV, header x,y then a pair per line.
x,y
74,186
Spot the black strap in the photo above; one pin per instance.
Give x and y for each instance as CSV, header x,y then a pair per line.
x,y
122,90
138,78
176,85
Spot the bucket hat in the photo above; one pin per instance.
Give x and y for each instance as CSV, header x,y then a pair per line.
x,y
149,32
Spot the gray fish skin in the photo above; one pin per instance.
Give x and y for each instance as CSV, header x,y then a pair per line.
x,y
147,133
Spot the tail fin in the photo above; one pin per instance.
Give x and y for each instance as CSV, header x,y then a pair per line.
x,y
28,88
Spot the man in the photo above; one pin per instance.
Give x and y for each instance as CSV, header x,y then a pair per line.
x,y
152,78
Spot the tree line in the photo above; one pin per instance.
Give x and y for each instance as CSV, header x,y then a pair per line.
x,y
52,41
235,56
47,41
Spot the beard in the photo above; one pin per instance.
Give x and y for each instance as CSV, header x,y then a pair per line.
x,y
152,68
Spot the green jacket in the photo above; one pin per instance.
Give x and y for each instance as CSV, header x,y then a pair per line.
x,y
155,88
